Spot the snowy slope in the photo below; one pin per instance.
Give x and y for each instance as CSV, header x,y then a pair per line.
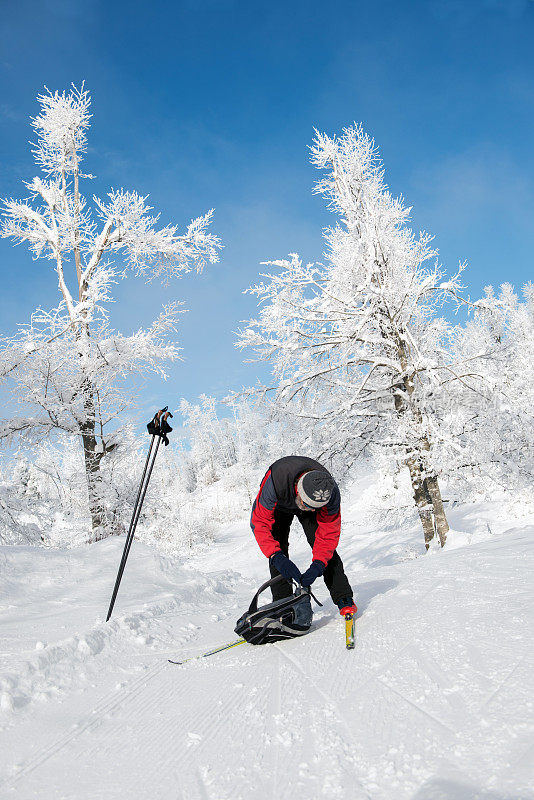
x,y
435,701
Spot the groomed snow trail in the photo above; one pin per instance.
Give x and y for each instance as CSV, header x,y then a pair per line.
x,y
434,703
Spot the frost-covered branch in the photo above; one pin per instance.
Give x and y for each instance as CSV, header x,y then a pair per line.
x,y
69,367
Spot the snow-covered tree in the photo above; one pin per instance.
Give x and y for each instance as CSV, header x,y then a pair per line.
x,y
215,443
490,414
357,344
67,365
212,447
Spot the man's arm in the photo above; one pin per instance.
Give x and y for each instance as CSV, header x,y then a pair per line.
x,y
262,518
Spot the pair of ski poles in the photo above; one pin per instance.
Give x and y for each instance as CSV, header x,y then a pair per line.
x,y
159,428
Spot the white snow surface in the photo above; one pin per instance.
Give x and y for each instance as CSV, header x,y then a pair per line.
x,y
434,703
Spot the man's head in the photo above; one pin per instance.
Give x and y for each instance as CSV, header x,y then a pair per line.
x,y
314,490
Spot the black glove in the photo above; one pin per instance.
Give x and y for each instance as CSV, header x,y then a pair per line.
x,y
315,570
285,567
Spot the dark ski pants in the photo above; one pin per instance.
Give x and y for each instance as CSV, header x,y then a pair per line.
x,y
334,574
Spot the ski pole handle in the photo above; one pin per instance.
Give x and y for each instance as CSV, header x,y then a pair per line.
x,y
158,426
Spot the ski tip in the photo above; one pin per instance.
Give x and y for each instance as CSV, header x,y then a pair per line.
x,y
174,662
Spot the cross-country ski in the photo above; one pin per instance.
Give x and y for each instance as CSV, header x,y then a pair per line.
x,y
349,631
208,653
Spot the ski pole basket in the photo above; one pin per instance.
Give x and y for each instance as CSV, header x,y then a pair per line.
x,y
282,619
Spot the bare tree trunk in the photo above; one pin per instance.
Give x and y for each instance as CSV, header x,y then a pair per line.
x,y
425,487
94,485
442,526
92,458
421,500
420,496
92,467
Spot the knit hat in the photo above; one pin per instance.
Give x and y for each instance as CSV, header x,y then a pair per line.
x,y
315,488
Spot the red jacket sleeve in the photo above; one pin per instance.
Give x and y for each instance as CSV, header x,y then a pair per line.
x,y
262,518
328,529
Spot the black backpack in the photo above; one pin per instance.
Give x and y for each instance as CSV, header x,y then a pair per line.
x,y
282,619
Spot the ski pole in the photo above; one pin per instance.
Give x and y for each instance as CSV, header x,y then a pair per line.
x,y
133,525
154,424
137,513
133,521
137,499
159,428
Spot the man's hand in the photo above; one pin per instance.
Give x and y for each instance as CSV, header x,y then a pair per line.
x,y
315,570
285,567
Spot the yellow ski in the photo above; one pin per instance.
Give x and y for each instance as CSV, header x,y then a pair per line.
x,y
209,652
349,631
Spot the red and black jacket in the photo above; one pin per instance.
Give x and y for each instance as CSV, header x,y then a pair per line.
x,y
278,490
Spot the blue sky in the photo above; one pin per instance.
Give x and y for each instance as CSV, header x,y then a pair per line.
x,y
212,103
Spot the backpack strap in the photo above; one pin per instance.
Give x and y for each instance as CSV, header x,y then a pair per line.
x,y
312,595
254,605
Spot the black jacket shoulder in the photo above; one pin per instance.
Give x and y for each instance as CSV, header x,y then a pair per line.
x,y
285,474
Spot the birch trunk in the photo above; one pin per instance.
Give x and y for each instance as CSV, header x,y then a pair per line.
x,y
92,460
442,526
94,485
424,509
425,486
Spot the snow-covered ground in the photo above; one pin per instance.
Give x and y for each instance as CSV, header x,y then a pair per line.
x,y
434,703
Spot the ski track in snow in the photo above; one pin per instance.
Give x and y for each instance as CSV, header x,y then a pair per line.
x,y
434,703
